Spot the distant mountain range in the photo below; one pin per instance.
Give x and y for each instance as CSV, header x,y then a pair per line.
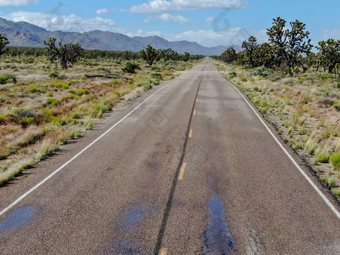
x,y
23,34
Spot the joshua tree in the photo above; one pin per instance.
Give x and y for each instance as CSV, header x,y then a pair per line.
x,y
66,54
149,55
3,42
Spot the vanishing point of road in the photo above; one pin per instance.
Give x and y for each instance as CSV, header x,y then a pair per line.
x,y
187,168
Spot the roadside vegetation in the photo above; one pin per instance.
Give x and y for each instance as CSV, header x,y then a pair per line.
x,y
296,90
51,96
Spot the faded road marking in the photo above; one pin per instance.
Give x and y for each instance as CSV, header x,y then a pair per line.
x,y
190,133
181,172
194,112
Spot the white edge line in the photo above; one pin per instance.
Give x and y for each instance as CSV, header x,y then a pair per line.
x,y
324,198
78,154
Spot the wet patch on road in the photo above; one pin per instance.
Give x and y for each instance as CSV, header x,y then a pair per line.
x,y
134,216
217,237
18,218
128,240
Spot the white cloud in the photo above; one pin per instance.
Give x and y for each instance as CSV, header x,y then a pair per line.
x,y
102,11
210,19
17,2
334,34
159,6
178,19
71,23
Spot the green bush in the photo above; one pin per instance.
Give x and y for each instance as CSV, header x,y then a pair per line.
x,y
33,89
130,67
264,104
337,106
331,182
156,76
322,158
156,82
2,118
76,116
116,93
83,92
54,75
232,75
335,160
27,121
262,72
147,86
7,78
61,85
52,101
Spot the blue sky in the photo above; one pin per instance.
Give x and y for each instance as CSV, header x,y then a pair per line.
x,y
208,22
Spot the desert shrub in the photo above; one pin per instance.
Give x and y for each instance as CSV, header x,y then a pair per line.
x,y
2,119
147,85
76,116
116,93
7,78
61,85
54,75
264,104
83,92
33,89
311,145
261,72
337,106
156,82
331,182
322,158
232,75
130,67
26,122
335,160
156,76
52,101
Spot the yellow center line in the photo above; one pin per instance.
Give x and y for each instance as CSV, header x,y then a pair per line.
x,y
196,100
163,251
194,112
181,172
190,133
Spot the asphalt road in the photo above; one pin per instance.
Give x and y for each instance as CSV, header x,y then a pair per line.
x,y
190,169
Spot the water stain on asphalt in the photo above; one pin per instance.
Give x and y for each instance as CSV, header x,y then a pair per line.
x,y
217,237
134,216
18,218
131,220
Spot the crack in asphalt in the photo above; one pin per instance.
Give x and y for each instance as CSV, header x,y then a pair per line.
x,y
175,180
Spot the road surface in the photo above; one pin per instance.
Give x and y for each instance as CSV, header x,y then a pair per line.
x,y
188,168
